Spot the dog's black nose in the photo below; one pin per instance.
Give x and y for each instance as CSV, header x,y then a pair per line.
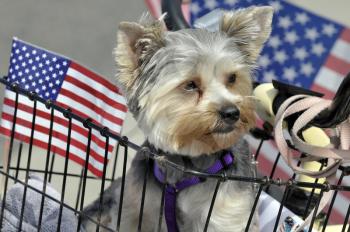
x,y
229,114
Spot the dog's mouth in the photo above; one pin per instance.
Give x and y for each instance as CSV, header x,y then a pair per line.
x,y
224,129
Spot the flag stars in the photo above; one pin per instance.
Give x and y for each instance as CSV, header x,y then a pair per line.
x,y
34,68
54,91
195,9
20,57
50,84
41,65
40,81
289,74
291,37
37,74
14,45
27,55
37,58
44,72
37,90
23,80
26,70
47,94
44,55
33,83
20,73
30,77
24,48
300,54
210,4
58,66
34,52
16,67
24,64
311,33
43,87
264,61
26,86
17,51
10,70
284,22
54,59
50,68
60,72
276,5
307,69
302,18
318,49
280,56
47,62
329,29
64,63
54,75
269,76
30,61
57,82
231,2
274,41
14,61
47,78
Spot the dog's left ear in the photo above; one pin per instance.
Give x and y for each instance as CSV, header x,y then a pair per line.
x,y
250,27
137,43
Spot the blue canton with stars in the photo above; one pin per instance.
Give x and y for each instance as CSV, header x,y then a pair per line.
x,y
299,44
37,70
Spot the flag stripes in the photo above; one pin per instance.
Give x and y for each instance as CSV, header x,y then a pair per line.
x,y
72,86
336,66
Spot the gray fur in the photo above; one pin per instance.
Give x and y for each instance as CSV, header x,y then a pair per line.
x,y
152,66
199,195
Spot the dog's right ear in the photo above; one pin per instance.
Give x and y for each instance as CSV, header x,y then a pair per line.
x,y
135,46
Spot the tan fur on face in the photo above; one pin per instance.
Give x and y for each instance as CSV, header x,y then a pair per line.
x,y
185,121
154,67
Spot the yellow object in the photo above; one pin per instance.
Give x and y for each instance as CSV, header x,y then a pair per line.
x,y
316,137
335,228
265,93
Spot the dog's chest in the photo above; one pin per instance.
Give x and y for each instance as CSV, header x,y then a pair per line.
x,y
230,213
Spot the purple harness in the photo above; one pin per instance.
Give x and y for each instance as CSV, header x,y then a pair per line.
x,y
172,190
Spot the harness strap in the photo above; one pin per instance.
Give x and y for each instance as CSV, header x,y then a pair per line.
x,y
172,190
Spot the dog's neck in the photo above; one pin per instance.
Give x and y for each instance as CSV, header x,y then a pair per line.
x,y
198,163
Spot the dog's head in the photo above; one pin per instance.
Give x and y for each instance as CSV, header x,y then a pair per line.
x,y
190,90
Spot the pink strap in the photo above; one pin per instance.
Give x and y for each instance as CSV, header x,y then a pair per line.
x,y
311,106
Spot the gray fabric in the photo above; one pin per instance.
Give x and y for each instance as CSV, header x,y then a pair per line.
x,y
32,209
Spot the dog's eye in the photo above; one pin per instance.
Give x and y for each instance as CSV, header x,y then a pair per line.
x,y
231,78
191,85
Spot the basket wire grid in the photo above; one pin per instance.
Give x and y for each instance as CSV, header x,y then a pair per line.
x,y
11,172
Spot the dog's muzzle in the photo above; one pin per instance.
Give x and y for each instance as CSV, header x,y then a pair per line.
x,y
229,114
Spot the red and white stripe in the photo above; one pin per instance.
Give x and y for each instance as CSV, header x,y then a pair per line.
x,y
335,68
88,95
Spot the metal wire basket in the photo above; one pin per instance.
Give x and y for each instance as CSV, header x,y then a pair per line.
x,y
20,165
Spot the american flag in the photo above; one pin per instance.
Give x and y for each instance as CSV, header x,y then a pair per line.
x,y
69,85
304,49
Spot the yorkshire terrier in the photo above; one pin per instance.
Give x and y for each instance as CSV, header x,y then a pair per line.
x,y
191,94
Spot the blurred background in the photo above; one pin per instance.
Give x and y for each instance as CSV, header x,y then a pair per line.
x,y
85,30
